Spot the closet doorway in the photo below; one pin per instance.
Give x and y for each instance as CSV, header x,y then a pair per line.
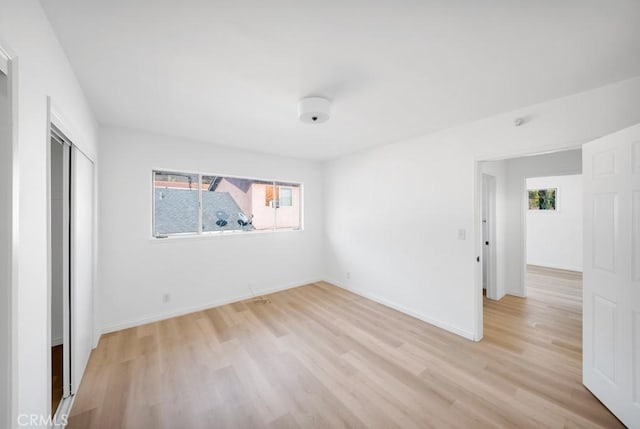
x,y
60,271
71,179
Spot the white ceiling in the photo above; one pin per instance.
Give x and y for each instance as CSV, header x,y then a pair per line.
x,y
231,72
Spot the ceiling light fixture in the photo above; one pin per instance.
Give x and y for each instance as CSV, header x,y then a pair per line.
x,y
314,110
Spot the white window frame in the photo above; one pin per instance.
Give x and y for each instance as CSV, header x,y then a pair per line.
x,y
201,232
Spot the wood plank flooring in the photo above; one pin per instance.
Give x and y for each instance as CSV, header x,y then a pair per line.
x,y
320,357
56,377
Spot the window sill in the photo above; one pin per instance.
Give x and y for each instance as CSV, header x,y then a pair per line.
x,y
217,234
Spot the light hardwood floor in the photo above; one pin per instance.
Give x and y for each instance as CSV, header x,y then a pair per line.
x,y
319,356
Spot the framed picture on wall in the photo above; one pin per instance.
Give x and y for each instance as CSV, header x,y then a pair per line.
x,y
543,199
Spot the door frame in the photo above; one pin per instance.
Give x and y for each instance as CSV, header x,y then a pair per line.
x,y
55,118
66,259
10,66
477,222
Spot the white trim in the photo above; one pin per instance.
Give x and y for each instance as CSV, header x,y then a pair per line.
x,y
402,309
477,186
67,128
49,253
219,302
5,60
9,66
228,233
556,266
225,175
516,294
195,308
542,150
477,237
15,217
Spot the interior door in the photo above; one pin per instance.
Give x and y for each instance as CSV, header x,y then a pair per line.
x,y
66,272
485,232
489,235
611,293
82,242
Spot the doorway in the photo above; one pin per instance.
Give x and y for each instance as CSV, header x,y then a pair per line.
x,y
553,221
71,188
60,243
502,201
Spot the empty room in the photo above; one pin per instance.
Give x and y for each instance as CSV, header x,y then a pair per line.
x,y
339,214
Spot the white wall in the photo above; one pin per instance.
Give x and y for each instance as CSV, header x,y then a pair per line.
x,y
392,213
518,170
43,70
554,238
136,270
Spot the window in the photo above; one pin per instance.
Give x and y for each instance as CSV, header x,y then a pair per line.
x,y
186,203
175,203
542,199
278,196
286,197
270,196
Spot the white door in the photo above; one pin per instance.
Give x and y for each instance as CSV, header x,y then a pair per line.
x,y
82,204
489,235
485,231
66,272
611,321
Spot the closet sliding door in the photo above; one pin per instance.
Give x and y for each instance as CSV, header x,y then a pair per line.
x,y
82,247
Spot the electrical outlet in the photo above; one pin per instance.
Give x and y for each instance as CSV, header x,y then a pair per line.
x,y
348,275
166,298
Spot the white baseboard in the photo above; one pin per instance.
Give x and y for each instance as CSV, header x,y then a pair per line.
x,y
497,298
192,309
556,266
438,323
516,293
229,300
